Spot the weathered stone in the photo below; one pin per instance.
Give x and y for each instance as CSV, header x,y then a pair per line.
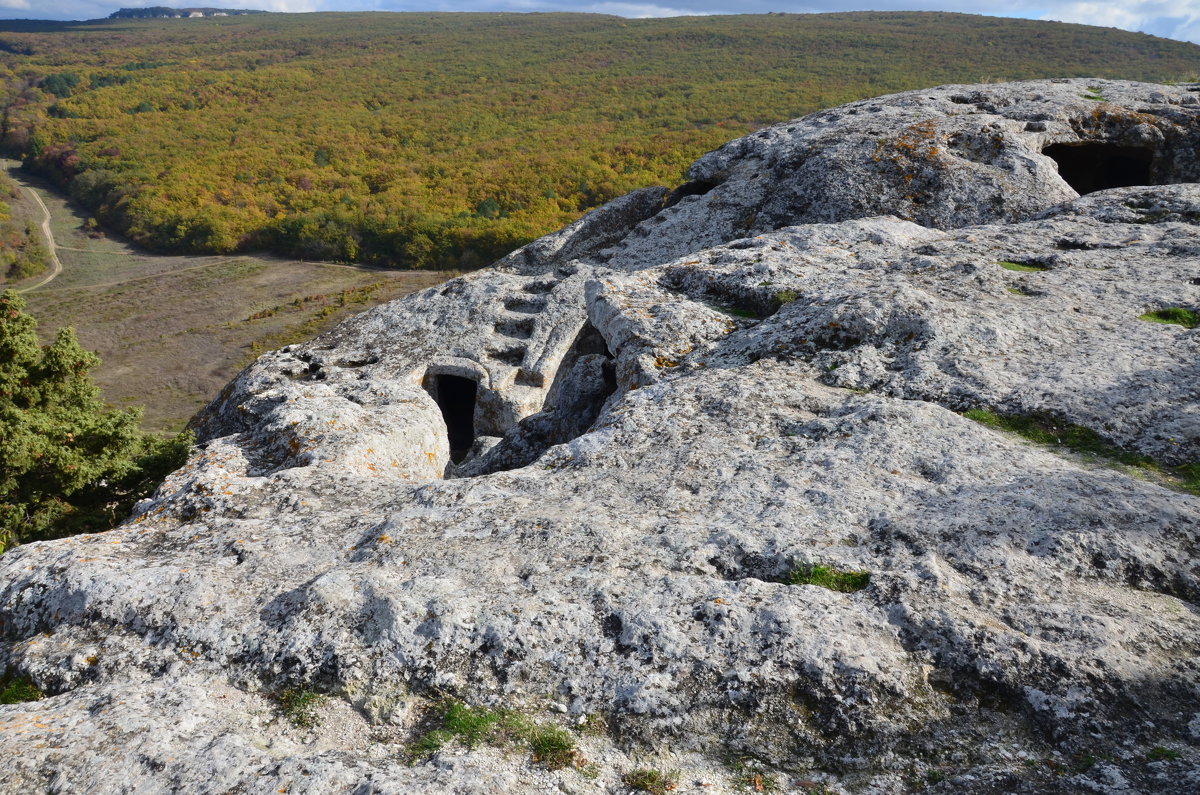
x,y
576,484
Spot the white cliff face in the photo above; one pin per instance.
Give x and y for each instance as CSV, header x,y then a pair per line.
x,y
575,484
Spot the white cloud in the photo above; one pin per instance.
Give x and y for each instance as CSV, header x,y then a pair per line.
x,y
289,6
1102,14
1176,19
14,4
641,10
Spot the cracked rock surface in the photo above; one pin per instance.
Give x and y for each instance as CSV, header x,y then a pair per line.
x,y
579,484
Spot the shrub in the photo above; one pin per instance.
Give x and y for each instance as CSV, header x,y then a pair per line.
x,y
784,297
67,463
652,781
551,746
300,707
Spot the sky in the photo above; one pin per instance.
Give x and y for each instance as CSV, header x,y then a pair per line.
x,y
1174,19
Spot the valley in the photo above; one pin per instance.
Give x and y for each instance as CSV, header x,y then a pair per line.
x,y
171,330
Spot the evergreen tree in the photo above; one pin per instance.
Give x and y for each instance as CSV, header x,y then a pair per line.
x,y
67,463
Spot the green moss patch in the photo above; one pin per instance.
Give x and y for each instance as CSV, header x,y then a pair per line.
x,y
1176,315
1160,754
735,311
1021,267
828,577
1044,429
19,691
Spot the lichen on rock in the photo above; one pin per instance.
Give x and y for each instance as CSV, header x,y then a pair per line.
x,y
578,484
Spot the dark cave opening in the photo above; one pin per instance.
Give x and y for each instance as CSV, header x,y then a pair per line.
x,y
694,188
588,342
455,396
1089,167
585,379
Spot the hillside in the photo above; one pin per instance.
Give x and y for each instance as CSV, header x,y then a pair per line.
x,y
867,464
22,250
446,140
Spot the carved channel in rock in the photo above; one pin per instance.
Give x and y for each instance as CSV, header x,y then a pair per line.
x,y
582,384
1091,166
455,396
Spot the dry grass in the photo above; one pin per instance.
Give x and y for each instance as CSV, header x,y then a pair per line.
x,y
172,330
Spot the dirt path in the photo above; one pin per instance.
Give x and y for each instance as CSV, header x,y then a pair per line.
x,y
55,263
172,330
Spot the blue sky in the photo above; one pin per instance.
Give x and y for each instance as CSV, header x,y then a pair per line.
x,y
1175,19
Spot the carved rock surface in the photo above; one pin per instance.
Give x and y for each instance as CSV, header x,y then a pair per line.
x,y
576,484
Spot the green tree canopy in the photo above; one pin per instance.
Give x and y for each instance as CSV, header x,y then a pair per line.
x,y
67,462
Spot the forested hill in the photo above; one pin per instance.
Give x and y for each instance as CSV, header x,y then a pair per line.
x,y
446,139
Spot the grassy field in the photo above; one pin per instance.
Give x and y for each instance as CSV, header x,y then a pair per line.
x,y
172,330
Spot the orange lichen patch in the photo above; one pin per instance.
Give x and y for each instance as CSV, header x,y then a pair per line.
x,y
1105,114
663,361
384,539
914,145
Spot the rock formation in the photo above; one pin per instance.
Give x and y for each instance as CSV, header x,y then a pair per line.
x,y
580,484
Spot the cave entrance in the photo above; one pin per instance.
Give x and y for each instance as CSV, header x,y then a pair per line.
x,y
455,396
1089,167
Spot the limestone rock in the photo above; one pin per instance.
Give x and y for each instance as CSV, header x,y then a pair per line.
x,y
578,484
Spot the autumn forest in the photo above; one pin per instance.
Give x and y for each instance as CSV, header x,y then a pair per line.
x,y
445,140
